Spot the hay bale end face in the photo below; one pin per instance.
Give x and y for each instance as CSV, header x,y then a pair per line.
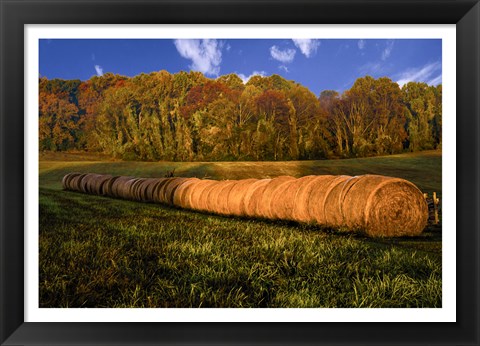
x,y
377,205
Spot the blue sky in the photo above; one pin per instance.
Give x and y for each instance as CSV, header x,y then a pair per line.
x,y
317,64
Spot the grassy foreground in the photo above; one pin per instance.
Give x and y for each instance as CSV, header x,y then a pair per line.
x,y
102,252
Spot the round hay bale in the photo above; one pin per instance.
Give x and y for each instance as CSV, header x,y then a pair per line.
x,y
90,184
158,195
317,199
126,191
82,184
253,195
67,179
333,197
107,186
283,198
205,197
385,207
76,181
214,195
146,189
64,179
161,191
301,204
91,181
263,206
98,182
118,186
170,187
182,195
222,198
197,191
236,196
137,189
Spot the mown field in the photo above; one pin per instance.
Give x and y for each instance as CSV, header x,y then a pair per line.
x,y
103,252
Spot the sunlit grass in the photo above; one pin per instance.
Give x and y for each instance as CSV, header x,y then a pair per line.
x,y
103,252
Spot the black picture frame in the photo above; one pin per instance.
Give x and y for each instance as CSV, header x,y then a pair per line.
x,y
16,13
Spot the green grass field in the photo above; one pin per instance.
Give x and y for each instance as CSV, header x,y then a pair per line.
x,y
102,252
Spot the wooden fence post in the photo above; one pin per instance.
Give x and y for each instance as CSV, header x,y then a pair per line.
x,y
435,206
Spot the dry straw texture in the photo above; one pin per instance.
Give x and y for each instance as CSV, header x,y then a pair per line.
x,y
333,192
282,203
198,192
222,198
378,205
253,194
182,194
303,197
392,207
236,196
263,206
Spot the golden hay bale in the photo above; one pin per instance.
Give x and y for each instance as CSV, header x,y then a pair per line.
x,y
283,198
385,207
236,196
181,197
213,194
333,196
170,187
301,203
222,198
107,186
253,195
316,202
263,206
197,193
204,200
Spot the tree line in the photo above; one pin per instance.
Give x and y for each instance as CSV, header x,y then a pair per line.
x,y
189,117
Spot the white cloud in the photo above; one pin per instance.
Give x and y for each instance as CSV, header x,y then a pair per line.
x,y
388,50
285,56
99,70
307,46
427,74
245,79
435,81
283,67
361,44
372,68
205,54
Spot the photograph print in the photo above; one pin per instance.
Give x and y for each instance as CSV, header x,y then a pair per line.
x,y
240,173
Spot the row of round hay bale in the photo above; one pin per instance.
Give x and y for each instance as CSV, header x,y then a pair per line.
x,y
379,205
